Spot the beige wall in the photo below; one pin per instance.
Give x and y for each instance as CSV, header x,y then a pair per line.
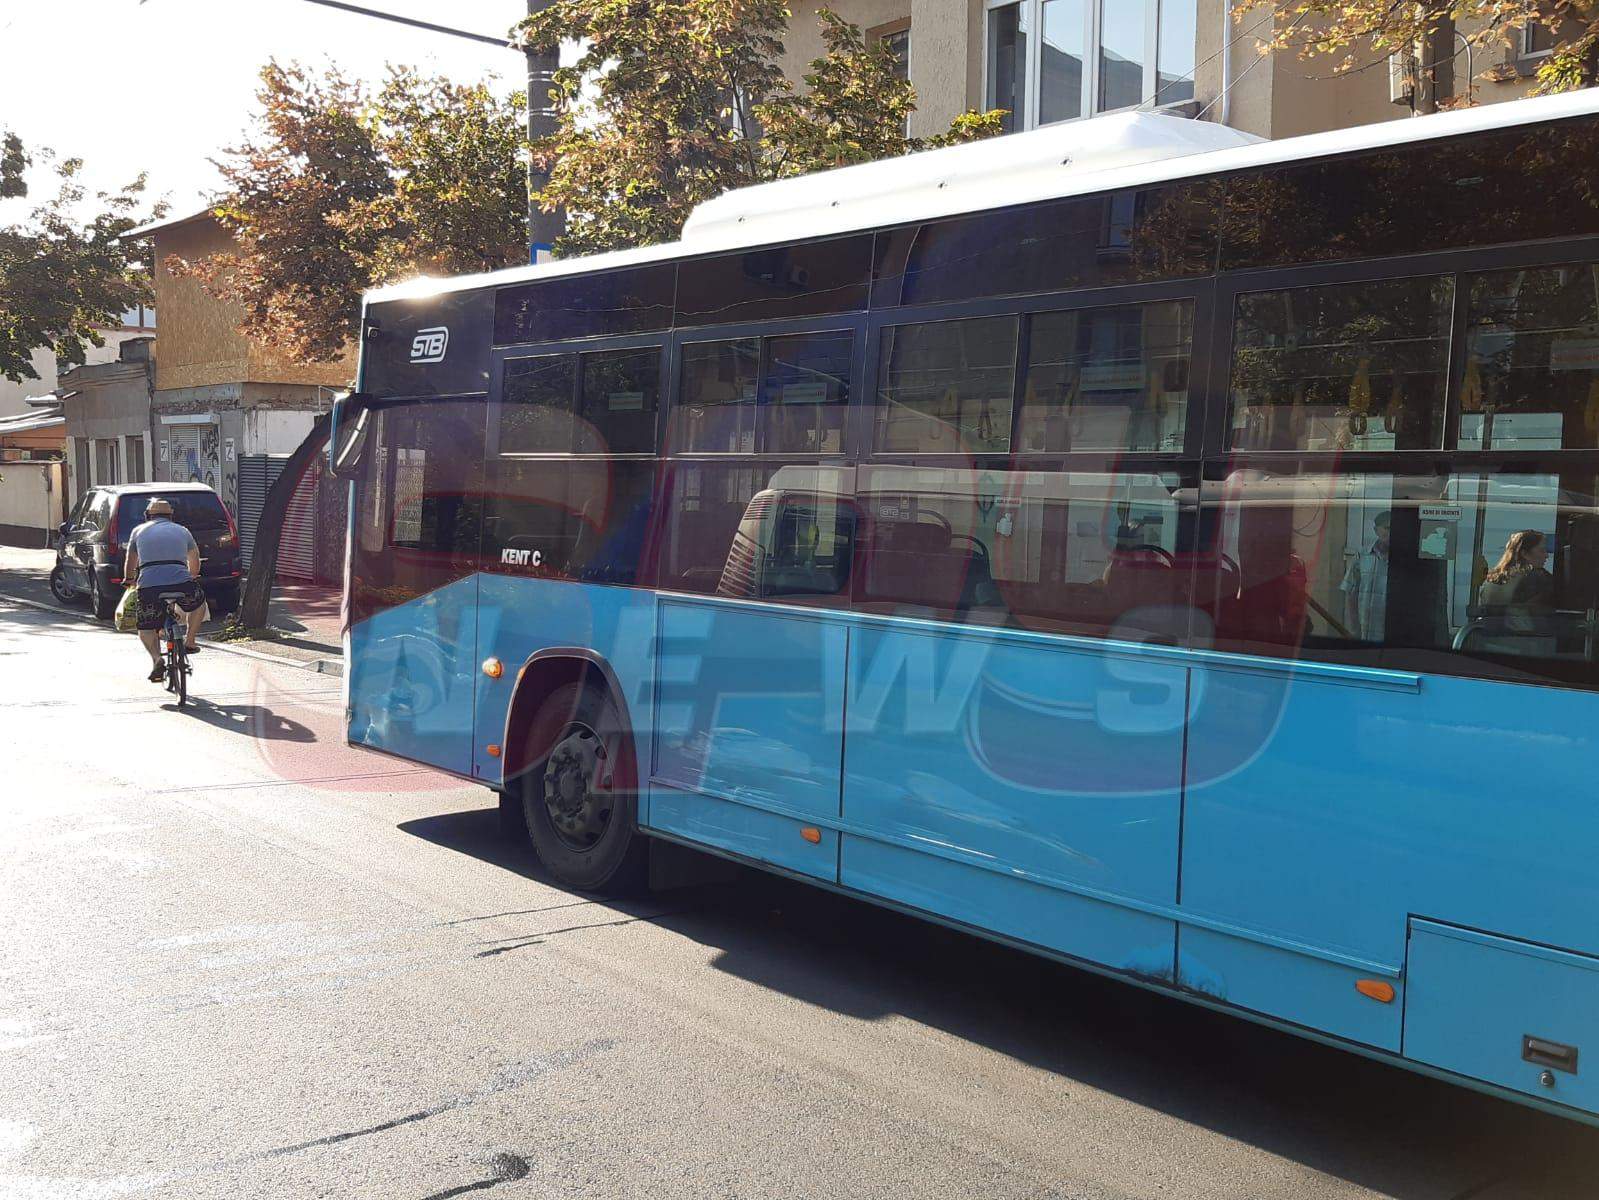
x,y
946,50
198,342
1281,96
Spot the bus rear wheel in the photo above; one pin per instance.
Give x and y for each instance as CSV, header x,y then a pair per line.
x,y
578,796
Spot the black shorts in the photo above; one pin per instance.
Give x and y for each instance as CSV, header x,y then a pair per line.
x,y
152,611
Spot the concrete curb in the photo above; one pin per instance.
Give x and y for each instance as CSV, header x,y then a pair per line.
x,y
322,666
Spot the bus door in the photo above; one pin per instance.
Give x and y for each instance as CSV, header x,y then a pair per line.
x,y
413,589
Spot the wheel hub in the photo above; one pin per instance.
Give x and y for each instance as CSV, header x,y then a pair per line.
x,y
576,793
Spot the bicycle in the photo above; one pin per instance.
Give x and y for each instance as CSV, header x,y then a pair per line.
x,y
174,645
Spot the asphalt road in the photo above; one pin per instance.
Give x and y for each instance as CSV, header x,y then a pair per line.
x,y
240,959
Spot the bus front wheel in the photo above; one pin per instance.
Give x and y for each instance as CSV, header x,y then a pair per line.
x,y
579,797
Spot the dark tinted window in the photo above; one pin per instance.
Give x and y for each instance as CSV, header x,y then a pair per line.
x,y
805,393
1084,552
637,300
537,414
759,531
1108,379
1359,366
1159,233
1511,186
421,504
779,395
945,387
1531,380
581,519
787,281
192,510
1475,572
716,403
619,394
599,403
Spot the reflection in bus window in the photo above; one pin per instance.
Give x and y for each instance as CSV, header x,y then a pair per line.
x,y
759,530
1416,570
805,393
536,415
1079,551
1531,379
945,387
1108,379
715,411
618,392
1359,366
573,518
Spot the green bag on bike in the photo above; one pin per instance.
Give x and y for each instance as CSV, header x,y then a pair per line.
x,y
127,614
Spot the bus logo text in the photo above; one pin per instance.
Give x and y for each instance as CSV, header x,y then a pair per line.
x,y
429,345
522,558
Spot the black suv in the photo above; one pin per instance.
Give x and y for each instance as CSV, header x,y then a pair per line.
x,y
94,543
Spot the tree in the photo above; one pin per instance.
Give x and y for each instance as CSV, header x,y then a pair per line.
x,y
298,266
13,162
1341,28
339,189
672,102
63,278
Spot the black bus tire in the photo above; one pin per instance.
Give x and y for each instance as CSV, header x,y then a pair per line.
x,y
579,795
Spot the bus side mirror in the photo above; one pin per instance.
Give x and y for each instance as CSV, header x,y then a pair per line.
x,y
352,422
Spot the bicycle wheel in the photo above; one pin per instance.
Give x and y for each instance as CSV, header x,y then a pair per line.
x,y
180,668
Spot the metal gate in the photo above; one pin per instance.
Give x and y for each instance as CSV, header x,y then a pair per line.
x,y
297,550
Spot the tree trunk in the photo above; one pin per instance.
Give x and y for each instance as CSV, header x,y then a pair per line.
x,y
264,557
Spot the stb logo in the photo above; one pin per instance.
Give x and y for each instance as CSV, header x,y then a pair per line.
x,y
429,345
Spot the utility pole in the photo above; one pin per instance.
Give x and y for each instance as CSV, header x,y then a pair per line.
x,y
542,227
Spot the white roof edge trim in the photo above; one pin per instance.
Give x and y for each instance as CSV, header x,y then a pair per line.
x,y
1033,185
881,190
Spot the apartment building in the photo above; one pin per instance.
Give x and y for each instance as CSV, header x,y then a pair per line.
x,y
1047,61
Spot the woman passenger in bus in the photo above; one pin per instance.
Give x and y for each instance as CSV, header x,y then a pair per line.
x,y
1517,596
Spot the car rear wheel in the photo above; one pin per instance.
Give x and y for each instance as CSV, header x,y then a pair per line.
x,y
63,591
579,796
99,603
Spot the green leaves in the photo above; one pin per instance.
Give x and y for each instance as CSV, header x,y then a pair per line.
x,y
340,188
676,101
62,277
1341,28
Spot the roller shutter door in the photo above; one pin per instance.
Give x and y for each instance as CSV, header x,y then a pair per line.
x,y
297,553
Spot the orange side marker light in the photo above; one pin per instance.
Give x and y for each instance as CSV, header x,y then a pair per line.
x,y
493,668
494,751
811,834
1375,989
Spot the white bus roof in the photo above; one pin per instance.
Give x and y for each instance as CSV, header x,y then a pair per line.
x,y
1074,158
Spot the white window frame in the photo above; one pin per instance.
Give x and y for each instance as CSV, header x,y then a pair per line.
x,y
1524,50
1034,13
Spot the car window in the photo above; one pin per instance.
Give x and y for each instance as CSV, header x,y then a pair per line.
x,y
75,517
196,511
96,511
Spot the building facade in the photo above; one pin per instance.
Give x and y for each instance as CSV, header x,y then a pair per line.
x,y
1046,61
223,408
107,410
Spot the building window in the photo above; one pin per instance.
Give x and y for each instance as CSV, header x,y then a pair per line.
x,y
1538,40
1056,60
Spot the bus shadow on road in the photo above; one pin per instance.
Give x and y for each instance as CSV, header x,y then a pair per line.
x,y
1374,1125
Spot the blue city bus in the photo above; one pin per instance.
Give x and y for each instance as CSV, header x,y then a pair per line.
x,y
1163,550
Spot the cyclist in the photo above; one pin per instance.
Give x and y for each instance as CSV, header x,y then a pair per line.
x,y
163,557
